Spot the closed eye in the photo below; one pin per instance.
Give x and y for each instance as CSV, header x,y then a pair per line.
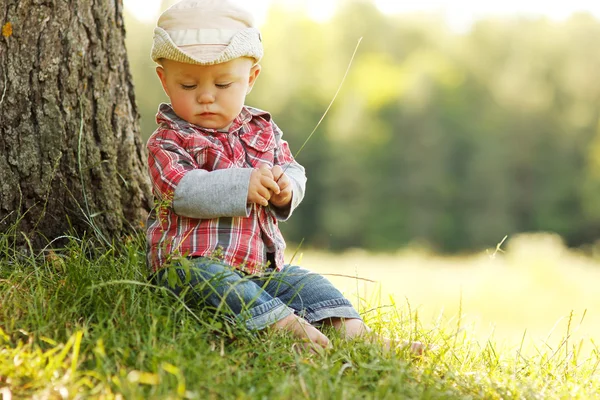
x,y
188,87
222,85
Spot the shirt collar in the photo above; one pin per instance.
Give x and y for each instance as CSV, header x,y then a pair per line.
x,y
167,117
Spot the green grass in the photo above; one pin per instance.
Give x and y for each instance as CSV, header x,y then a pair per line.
x,y
82,322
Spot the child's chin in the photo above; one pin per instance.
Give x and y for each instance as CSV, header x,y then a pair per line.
x,y
210,124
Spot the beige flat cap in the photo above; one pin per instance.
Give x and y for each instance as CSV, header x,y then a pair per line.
x,y
206,32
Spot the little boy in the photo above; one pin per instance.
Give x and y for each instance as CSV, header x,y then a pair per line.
x,y
223,177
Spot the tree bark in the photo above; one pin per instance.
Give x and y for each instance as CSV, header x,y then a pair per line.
x,y
71,156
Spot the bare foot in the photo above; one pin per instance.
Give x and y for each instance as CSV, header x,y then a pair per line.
x,y
415,348
311,338
351,328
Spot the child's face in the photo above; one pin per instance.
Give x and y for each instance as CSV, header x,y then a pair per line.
x,y
210,96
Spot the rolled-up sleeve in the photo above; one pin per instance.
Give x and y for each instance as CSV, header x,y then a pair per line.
x,y
168,163
215,194
178,176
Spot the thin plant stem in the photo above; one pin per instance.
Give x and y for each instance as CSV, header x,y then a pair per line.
x,y
329,106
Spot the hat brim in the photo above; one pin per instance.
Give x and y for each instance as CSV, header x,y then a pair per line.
x,y
245,43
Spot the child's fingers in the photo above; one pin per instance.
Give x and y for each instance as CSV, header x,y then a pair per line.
x,y
277,172
260,196
259,191
263,197
269,184
283,182
265,170
280,177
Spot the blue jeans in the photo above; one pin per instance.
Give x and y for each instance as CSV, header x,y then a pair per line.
x,y
257,301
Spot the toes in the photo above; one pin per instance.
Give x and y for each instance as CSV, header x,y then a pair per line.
x,y
417,348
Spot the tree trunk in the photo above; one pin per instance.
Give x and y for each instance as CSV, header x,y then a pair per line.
x,y
71,155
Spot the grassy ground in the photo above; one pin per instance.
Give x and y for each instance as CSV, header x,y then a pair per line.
x,y
81,322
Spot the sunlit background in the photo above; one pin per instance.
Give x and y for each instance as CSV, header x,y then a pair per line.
x,y
459,13
460,123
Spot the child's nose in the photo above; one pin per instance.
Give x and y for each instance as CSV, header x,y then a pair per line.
x,y
205,97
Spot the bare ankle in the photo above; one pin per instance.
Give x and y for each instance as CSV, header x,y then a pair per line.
x,y
350,327
283,323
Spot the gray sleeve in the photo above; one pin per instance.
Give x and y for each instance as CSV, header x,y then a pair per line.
x,y
297,176
213,194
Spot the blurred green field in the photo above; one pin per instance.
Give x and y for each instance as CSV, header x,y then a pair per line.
x,y
536,289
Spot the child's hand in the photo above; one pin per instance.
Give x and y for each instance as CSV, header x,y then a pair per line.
x,y
262,186
284,196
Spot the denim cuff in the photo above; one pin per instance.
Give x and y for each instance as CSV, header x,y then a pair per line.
x,y
334,308
264,315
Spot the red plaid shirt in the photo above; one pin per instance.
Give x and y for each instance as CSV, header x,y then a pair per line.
x,y
177,147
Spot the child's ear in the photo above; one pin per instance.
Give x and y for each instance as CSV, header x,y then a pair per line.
x,y
254,72
160,71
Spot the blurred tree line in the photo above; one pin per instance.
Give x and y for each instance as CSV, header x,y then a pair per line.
x,y
448,140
